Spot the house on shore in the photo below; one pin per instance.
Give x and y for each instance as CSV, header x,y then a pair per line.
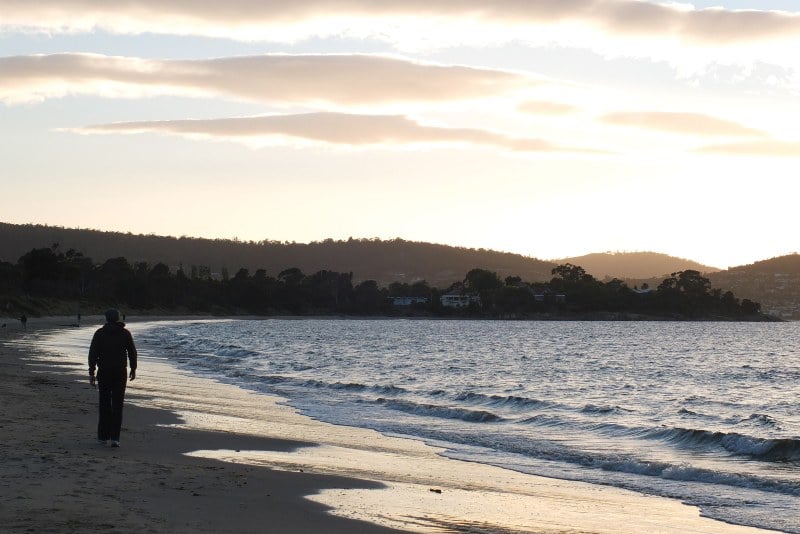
x,y
543,294
460,300
407,301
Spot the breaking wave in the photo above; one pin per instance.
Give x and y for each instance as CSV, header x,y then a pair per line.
x,y
764,449
443,412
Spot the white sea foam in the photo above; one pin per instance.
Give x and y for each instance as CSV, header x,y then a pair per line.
x,y
601,402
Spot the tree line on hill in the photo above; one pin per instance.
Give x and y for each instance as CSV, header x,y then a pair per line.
x,y
634,265
69,276
384,261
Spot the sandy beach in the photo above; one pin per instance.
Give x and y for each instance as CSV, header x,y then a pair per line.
x,y
198,455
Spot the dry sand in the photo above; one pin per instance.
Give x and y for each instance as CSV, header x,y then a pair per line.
x,y
202,456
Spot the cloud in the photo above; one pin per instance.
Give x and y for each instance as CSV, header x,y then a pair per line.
x,y
544,107
681,123
277,19
339,80
329,128
785,149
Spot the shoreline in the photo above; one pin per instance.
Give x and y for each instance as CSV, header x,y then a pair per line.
x,y
597,316
56,478
232,460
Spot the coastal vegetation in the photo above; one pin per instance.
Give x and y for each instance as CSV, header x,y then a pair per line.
x,y
382,260
47,277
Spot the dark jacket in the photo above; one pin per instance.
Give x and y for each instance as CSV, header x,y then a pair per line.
x,y
112,346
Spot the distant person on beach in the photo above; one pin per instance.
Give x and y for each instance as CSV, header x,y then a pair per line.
x,y
24,320
111,349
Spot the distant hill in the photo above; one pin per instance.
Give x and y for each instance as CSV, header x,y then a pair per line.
x,y
780,265
367,259
634,265
775,283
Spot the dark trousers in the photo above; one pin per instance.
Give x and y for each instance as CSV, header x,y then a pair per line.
x,y
111,385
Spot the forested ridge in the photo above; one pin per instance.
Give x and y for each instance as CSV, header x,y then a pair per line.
x,y
48,275
634,265
384,261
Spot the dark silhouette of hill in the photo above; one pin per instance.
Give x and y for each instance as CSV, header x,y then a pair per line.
x,y
368,259
779,265
634,265
775,283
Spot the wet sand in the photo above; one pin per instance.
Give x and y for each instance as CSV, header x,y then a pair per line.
x,y
198,455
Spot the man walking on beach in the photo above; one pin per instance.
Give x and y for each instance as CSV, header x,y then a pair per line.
x,y
111,349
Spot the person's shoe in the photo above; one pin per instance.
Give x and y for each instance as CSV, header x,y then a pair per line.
x,y
114,443
102,441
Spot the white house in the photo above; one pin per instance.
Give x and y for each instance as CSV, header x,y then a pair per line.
x,y
458,300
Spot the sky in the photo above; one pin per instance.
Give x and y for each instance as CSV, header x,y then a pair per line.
x,y
549,128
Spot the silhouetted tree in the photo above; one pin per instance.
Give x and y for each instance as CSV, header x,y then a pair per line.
x,y
692,283
368,298
40,270
749,307
479,280
569,274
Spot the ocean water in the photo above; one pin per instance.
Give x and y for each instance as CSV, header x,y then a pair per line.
x,y
708,413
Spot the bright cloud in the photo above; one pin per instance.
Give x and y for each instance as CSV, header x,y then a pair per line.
x,y
503,144
544,107
329,128
693,41
681,123
769,148
234,17
273,19
338,80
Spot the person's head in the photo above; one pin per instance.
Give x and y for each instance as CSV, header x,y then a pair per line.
x,y
112,315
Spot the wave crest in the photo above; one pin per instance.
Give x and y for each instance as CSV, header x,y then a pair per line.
x,y
443,412
764,449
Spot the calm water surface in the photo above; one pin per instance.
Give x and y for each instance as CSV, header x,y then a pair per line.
x,y
708,413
